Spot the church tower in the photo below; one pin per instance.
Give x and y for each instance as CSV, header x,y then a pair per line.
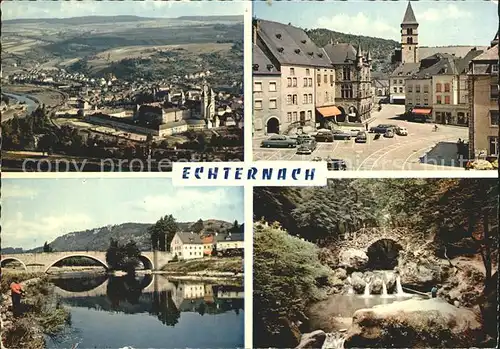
x,y
409,37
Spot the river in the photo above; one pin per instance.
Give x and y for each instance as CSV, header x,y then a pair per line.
x,y
31,105
148,312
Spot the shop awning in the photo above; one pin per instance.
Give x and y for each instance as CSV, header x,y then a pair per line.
x,y
398,97
329,111
421,111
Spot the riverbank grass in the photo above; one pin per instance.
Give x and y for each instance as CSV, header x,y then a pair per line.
x,y
210,264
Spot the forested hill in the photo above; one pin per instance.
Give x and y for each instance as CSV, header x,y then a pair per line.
x,y
381,49
98,239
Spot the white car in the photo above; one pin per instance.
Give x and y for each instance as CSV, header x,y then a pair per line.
x,y
402,131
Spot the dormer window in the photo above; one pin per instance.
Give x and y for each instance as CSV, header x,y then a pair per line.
x,y
255,67
278,36
297,50
494,68
320,55
270,67
280,49
303,41
310,53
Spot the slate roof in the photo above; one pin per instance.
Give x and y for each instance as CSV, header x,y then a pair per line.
x,y
380,83
189,238
340,53
457,51
489,55
291,45
405,69
230,237
262,65
409,17
442,64
483,62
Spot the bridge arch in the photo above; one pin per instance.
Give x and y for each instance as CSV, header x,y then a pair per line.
x,y
51,264
146,261
13,259
383,253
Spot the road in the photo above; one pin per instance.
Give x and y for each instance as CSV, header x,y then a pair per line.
x,y
422,149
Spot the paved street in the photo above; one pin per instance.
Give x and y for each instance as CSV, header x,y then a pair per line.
x,y
398,153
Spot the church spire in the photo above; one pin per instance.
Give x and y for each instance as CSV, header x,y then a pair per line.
x,y
409,17
359,54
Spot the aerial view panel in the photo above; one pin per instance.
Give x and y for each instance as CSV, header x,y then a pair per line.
x,y
374,88
120,86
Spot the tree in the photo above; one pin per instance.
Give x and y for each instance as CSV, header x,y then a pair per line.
x,y
162,233
198,226
47,248
125,258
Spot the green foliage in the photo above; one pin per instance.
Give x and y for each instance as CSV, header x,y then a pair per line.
x,y
198,226
121,257
47,248
162,232
287,277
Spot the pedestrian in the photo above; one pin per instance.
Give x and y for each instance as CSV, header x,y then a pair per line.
x,y
366,126
16,291
434,291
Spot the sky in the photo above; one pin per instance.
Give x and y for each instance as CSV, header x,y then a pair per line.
x,y
442,23
39,210
149,8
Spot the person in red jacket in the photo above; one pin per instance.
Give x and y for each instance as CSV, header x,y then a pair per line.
x,y
16,291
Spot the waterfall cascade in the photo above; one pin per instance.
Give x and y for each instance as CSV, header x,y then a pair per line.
x,y
399,288
367,290
334,340
384,289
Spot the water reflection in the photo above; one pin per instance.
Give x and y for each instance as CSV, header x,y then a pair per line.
x,y
216,311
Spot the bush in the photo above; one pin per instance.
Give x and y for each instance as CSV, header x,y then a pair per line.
x,y
287,277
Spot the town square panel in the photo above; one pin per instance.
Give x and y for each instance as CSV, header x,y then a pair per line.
x,y
121,86
376,85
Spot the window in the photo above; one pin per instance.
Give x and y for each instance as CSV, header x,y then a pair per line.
x,y
309,115
417,88
438,87
294,100
305,82
289,117
446,99
401,82
394,82
409,31
331,79
310,98
409,40
494,91
302,116
272,103
493,145
272,86
307,72
438,100
289,82
326,96
493,117
494,68
426,88
318,77
346,91
310,82
294,116
426,101
325,79
289,99
447,87
294,82
395,89
410,88
292,71
258,104
304,99
257,86
400,90
346,73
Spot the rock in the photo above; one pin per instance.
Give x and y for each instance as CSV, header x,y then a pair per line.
x,y
353,259
421,276
289,335
376,285
412,324
312,340
357,282
390,280
341,273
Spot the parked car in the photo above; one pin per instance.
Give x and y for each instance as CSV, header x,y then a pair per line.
x,y
302,138
395,128
354,132
307,147
279,141
336,165
402,131
324,136
389,133
379,128
361,137
339,134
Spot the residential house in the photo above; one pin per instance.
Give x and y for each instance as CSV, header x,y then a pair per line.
x,y
208,245
307,77
190,292
267,115
380,85
187,245
353,88
229,241
483,94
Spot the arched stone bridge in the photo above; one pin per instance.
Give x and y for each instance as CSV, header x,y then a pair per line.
x,y
365,237
44,261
